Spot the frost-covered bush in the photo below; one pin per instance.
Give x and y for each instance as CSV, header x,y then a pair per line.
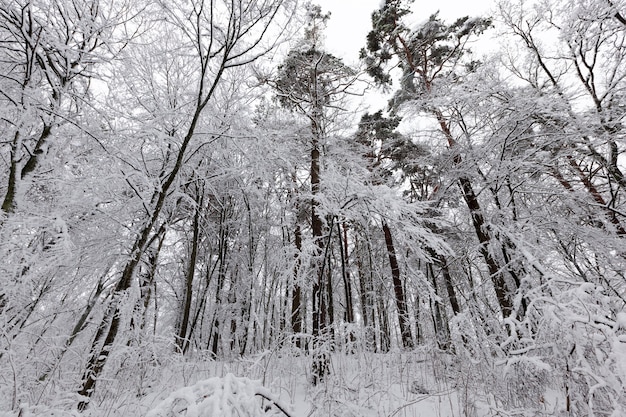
x,y
566,357
220,397
583,332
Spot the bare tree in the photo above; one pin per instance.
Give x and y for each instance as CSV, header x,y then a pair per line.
x,y
50,50
220,36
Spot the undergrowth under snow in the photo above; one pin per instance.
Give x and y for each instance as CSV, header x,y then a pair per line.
x,y
276,383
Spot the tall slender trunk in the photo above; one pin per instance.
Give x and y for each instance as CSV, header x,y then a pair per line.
x,y
440,322
200,310
398,288
366,291
233,309
384,333
504,294
452,298
327,269
181,338
317,229
321,360
148,284
221,278
418,321
296,297
347,284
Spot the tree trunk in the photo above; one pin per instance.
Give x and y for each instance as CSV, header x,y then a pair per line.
x,y
296,313
482,229
148,283
181,338
440,322
97,360
221,277
317,230
78,327
200,310
366,290
403,314
418,319
8,204
452,298
98,357
321,360
347,284
384,334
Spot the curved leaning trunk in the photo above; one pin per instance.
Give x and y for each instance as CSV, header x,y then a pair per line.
x,y
99,356
504,294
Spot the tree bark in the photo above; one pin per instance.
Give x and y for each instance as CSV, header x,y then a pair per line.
x,y
8,204
403,314
440,321
221,278
347,284
317,230
445,270
321,360
296,297
384,333
181,338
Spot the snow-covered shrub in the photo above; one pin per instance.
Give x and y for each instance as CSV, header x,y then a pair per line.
x,y
566,357
584,331
229,396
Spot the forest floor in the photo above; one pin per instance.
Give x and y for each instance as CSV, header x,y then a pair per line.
x,y
418,383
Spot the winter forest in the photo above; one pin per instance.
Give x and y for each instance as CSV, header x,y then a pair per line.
x,y
203,213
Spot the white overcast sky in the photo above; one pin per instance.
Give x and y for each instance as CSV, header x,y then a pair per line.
x,y
350,19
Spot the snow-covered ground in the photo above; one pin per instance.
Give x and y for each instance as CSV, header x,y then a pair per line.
x,y
277,383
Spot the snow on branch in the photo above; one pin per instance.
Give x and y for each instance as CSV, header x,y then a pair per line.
x,y
228,396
